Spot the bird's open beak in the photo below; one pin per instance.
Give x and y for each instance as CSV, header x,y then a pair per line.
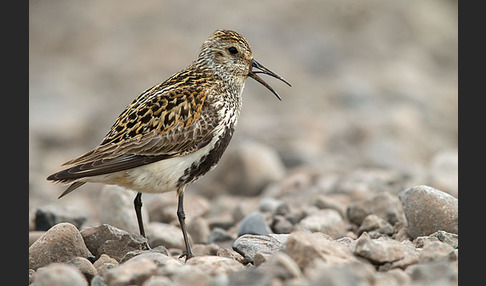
x,y
262,69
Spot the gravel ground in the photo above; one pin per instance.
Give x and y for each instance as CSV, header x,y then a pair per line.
x,y
350,180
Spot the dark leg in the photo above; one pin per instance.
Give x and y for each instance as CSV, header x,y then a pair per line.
x,y
138,210
182,217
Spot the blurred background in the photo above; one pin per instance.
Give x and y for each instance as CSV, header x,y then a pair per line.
x,y
374,83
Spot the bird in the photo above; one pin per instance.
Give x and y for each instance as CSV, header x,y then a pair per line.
x,y
175,131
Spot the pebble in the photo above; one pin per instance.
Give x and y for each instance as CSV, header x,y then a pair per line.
x,y
327,221
281,266
198,230
104,263
85,266
375,223
214,265
304,248
59,274
429,210
383,205
60,243
379,251
327,202
134,271
106,239
254,223
436,251
248,245
116,208
168,235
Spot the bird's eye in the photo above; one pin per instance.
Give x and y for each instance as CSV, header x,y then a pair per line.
x,y
233,50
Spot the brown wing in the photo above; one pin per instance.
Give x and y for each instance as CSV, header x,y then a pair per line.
x,y
165,121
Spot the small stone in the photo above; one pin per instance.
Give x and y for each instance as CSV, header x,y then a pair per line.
x,y
205,249
116,209
254,223
379,251
429,210
104,263
60,243
214,265
326,202
281,225
449,238
85,266
437,250
59,274
134,271
304,248
442,272
50,215
373,222
158,281
383,205
248,245
159,249
219,235
327,221
198,229
269,204
351,273
168,235
106,239
281,266
97,281
230,253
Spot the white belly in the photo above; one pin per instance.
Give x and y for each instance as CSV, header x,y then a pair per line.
x,y
158,177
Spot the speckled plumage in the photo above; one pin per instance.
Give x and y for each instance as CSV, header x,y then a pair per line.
x,y
176,131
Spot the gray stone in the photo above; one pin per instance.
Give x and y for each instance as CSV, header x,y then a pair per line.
x,y
304,248
59,274
198,229
106,239
442,272
50,215
85,266
437,250
254,223
379,251
116,209
248,245
373,222
104,263
134,271
327,221
168,235
281,266
429,210
214,265
280,224
159,249
326,202
60,243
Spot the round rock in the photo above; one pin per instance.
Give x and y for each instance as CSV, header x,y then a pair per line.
x,y
429,210
59,274
60,243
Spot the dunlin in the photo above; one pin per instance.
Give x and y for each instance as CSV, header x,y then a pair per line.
x,y
176,131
